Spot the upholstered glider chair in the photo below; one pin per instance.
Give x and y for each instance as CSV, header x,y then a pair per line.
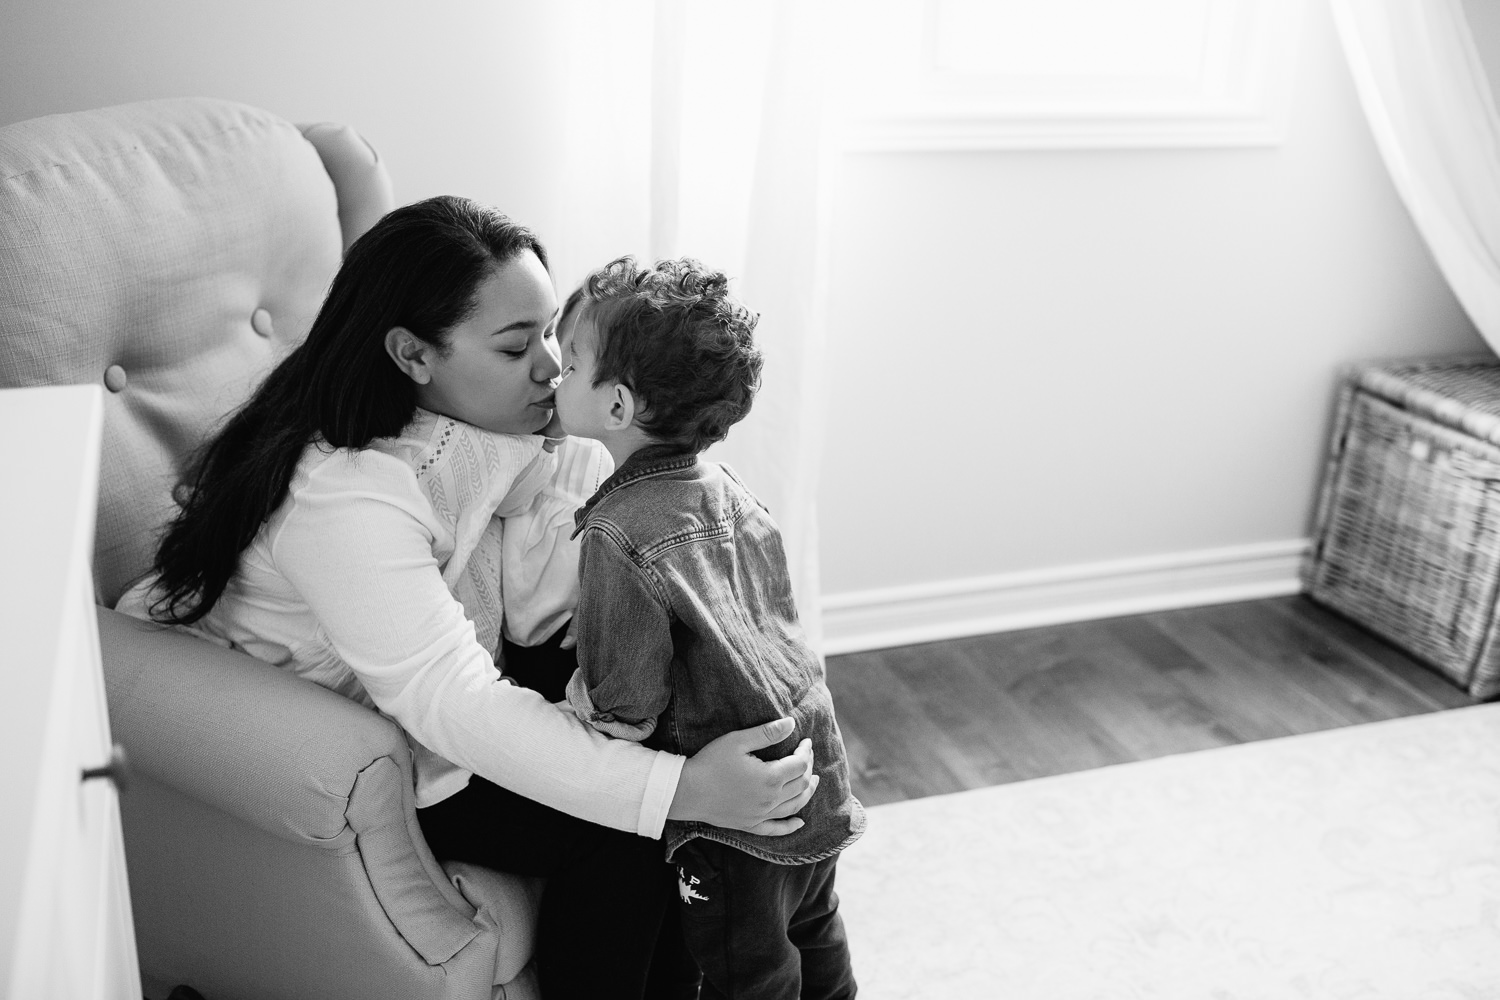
x,y
173,251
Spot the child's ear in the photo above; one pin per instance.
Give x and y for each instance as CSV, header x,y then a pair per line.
x,y
622,408
411,354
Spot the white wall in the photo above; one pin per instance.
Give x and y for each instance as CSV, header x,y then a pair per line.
x,y
1041,362
455,94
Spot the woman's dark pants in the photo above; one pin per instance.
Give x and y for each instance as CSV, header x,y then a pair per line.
x,y
607,891
544,668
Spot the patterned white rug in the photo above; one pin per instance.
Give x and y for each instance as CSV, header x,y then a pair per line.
x,y
1355,864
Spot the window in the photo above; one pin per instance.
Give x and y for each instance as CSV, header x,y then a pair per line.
x,y
1000,74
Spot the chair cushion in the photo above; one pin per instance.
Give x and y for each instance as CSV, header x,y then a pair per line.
x,y
173,250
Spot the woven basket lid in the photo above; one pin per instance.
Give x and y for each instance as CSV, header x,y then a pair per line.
x,y
1462,393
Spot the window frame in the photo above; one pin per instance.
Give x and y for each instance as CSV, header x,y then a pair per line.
x,y
1241,97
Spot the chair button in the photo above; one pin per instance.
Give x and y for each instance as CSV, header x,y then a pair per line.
x,y
260,322
114,378
116,770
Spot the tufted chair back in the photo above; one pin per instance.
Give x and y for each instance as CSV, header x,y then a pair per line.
x,y
173,251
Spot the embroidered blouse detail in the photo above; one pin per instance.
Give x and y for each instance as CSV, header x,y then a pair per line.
x,y
472,478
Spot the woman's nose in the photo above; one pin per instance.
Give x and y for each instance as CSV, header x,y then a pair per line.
x,y
548,365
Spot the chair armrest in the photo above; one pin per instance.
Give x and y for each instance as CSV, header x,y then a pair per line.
x,y
282,754
360,180
257,742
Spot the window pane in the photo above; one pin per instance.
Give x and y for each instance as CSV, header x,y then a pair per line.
x,y
1061,38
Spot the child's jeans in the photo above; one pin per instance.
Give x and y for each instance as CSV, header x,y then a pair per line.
x,y
762,930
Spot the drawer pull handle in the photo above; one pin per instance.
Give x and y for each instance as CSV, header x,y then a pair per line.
x,y
117,771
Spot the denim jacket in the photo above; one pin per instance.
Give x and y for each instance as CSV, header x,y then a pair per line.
x,y
687,630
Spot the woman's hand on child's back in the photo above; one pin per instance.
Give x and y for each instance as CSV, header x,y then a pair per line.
x,y
726,785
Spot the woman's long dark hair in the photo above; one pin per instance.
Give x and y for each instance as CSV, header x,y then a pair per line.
x,y
419,268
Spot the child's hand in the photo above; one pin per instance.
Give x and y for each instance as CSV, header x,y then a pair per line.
x,y
570,640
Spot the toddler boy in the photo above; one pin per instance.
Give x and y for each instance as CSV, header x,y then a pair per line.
x,y
686,624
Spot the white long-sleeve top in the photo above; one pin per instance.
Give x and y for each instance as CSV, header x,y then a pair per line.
x,y
540,563
344,585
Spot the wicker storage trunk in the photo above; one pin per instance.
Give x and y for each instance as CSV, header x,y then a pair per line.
x,y
1406,539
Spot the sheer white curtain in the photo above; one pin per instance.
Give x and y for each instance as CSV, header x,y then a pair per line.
x,y
1426,94
703,129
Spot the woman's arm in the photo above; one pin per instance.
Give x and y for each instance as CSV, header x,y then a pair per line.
x,y
355,545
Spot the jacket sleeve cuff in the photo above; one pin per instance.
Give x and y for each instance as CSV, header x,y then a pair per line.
x,y
606,722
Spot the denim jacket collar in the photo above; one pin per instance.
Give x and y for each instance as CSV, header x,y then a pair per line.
x,y
647,461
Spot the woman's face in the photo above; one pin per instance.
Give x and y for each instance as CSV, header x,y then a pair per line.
x,y
500,363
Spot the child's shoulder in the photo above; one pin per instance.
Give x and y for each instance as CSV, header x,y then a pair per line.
x,y
735,487
725,472
673,501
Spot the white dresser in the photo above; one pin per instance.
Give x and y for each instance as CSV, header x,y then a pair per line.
x,y
65,924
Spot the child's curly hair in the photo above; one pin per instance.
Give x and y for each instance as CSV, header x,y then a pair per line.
x,y
674,335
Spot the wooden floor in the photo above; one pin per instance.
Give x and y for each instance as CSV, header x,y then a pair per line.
x,y
966,713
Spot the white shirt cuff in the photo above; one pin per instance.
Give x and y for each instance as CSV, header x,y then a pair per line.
x,y
661,788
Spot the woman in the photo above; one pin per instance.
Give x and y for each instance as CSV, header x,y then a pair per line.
x,y
305,538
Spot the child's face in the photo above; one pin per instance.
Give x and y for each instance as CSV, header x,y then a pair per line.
x,y
582,408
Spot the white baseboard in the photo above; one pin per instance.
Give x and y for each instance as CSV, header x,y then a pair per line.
x,y
949,609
